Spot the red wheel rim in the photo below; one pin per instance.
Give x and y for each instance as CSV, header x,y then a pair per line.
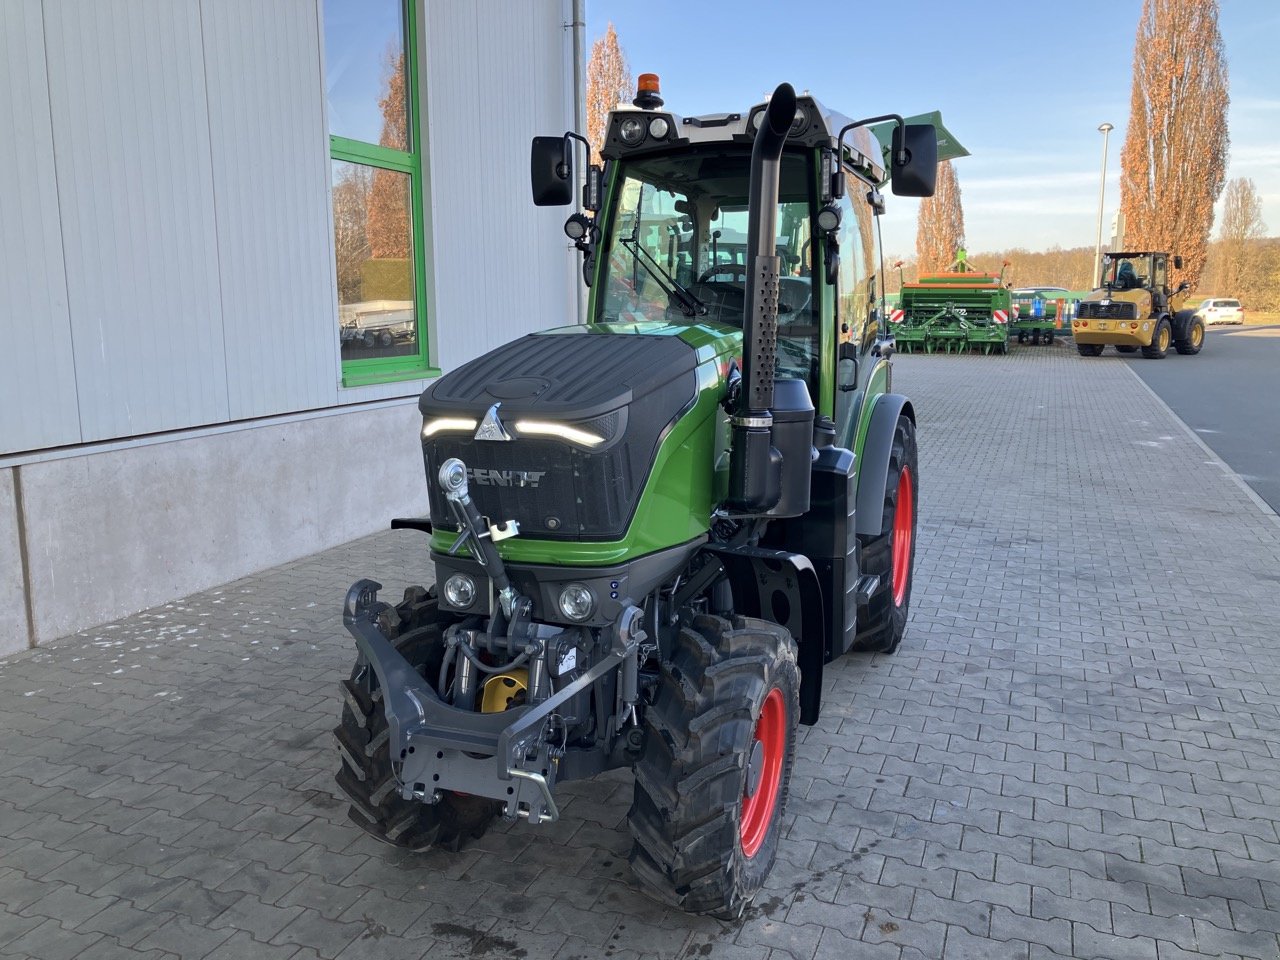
x,y
903,530
757,809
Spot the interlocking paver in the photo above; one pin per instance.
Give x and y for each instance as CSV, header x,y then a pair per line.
x,y
1075,753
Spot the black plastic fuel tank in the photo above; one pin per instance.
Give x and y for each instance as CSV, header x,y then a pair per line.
x,y
793,438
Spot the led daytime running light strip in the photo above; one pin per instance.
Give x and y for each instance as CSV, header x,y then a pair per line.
x,y
532,428
543,428
447,423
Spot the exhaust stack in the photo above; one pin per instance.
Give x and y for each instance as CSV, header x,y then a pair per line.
x,y
755,484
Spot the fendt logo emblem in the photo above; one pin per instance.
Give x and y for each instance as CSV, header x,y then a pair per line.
x,y
491,427
505,478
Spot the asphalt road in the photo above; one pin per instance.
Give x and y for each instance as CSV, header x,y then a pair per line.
x,y
1230,395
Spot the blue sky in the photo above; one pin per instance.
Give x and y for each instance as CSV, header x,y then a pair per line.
x,y
1024,85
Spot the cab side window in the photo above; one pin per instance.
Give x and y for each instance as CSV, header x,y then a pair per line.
x,y
855,317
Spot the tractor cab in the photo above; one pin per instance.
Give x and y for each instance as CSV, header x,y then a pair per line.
x,y
666,231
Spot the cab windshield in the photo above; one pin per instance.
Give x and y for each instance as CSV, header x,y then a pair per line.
x,y
676,248
1126,273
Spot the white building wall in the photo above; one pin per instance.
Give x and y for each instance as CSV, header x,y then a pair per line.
x,y
131,155
271,193
167,269
497,75
38,403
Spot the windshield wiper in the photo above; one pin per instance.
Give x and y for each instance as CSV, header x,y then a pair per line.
x,y
690,305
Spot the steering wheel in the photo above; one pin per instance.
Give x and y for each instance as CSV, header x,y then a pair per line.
x,y
734,270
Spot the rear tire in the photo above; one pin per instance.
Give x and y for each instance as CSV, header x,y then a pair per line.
x,y
891,555
1160,340
1195,339
1048,337
1089,349
416,629
726,713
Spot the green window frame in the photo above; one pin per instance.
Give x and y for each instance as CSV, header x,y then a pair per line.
x,y
361,372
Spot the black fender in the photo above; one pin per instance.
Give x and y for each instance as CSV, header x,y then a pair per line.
x,y
783,588
873,465
1182,324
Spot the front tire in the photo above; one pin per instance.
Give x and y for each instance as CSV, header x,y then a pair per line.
x,y
416,629
891,555
1089,349
1160,341
1125,348
712,782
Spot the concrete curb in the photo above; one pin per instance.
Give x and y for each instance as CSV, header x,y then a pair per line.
x,y
1226,468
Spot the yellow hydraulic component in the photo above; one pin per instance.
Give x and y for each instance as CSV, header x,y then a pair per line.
x,y
502,688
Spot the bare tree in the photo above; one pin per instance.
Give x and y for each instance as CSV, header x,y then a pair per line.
x,y
351,191
609,83
1237,253
1174,158
940,228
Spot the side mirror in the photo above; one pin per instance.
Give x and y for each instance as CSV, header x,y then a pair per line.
x,y
551,172
1177,262
914,160
1183,286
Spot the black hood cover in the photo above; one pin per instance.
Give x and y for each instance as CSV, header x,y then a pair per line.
x,y
562,376
624,386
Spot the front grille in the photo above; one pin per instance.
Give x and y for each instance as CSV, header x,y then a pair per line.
x,y
555,491
1116,310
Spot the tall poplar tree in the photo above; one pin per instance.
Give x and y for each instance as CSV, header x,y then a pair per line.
x,y
389,236
1174,158
609,83
940,227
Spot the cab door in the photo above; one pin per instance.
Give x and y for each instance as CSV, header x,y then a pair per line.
x,y
856,309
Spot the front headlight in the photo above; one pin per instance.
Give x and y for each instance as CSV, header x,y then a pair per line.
x,y
577,602
631,130
460,591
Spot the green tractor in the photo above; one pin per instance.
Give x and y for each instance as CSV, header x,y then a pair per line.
x,y
954,311
652,531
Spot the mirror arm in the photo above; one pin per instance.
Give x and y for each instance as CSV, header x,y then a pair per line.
x,y
566,165
900,159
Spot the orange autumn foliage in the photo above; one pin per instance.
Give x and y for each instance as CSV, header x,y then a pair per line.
x,y
940,227
1173,163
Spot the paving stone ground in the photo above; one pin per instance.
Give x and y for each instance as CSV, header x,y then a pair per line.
x,y
1076,752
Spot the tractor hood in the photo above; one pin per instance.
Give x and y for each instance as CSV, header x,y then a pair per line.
x,y
558,430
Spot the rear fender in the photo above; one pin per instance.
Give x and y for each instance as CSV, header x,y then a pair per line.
x,y
782,588
873,460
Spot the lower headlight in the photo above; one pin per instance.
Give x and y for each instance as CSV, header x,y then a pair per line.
x,y
460,590
577,602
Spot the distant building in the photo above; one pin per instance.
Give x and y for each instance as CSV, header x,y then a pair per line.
x,y
1117,232
237,238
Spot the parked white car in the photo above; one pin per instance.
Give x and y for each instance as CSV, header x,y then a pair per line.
x,y
1220,310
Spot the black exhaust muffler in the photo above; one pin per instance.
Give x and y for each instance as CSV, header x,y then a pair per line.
x,y
755,465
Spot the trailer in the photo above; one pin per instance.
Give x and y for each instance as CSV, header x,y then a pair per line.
x,y
952,312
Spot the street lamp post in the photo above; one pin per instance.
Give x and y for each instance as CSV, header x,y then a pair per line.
x,y
1105,129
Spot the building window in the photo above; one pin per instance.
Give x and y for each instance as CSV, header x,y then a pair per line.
x,y
377,189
